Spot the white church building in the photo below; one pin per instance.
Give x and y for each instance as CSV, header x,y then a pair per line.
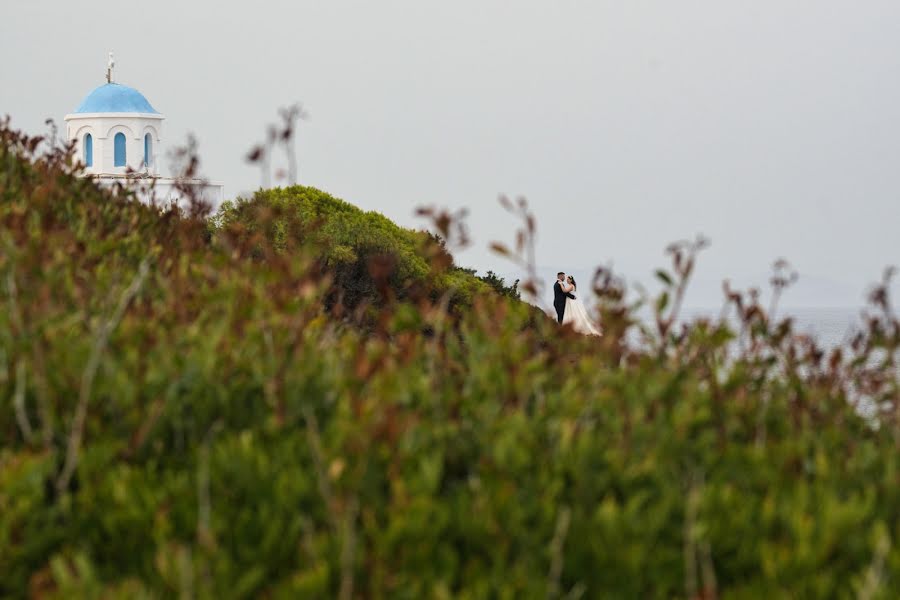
x,y
118,134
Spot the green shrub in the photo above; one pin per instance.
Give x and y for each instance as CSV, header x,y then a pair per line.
x,y
367,256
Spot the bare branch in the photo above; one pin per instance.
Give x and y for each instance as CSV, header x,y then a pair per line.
x,y
90,372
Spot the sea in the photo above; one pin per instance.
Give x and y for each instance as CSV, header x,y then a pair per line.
x,y
830,327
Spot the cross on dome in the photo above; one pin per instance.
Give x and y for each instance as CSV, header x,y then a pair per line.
x,y
110,63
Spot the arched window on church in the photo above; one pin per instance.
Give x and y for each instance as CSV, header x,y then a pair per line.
x,y
88,150
119,150
148,150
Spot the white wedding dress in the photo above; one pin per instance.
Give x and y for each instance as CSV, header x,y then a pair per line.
x,y
576,316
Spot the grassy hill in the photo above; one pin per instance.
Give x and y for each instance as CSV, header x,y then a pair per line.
x,y
297,399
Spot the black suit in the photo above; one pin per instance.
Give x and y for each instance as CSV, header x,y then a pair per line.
x,y
559,300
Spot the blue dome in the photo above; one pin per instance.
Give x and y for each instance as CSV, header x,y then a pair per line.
x,y
115,98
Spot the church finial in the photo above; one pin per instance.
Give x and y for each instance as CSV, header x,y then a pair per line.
x,y
110,63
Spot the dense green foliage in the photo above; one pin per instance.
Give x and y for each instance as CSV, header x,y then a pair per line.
x,y
499,284
183,415
368,257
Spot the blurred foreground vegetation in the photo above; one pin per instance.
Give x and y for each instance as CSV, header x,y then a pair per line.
x,y
297,399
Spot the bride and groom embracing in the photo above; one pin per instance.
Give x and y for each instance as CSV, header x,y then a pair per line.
x,y
569,309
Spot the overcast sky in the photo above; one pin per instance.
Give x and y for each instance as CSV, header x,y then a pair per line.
x,y
771,126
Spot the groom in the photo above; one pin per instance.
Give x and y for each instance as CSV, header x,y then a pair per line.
x,y
559,296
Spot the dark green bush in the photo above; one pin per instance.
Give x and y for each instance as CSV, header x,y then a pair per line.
x,y
185,416
367,256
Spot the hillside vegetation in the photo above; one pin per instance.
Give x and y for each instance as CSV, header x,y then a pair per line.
x,y
367,257
297,399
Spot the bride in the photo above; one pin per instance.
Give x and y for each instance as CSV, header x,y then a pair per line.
x,y
575,314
